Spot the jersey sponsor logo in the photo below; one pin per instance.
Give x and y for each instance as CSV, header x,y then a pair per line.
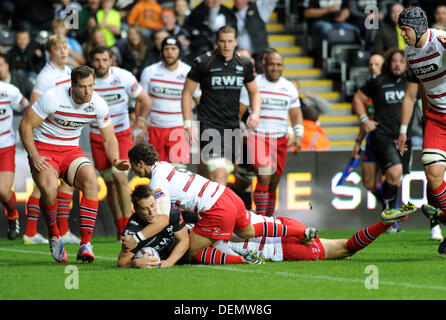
x,y
89,107
64,107
111,98
159,193
394,95
274,102
134,86
168,91
68,123
226,81
3,94
181,77
115,81
425,69
239,69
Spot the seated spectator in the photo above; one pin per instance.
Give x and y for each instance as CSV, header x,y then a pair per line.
x,y
76,55
182,11
205,20
314,136
147,15
389,36
134,52
440,17
97,38
15,78
154,52
109,20
324,16
26,56
33,15
170,25
87,20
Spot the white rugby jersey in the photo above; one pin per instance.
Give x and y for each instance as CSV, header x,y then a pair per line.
x,y
165,88
51,76
10,99
186,189
268,248
277,99
64,119
117,89
429,66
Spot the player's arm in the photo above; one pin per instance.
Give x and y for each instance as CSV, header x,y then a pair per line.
x,y
358,141
34,97
30,121
186,108
242,111
179,250
406,113
130,243
360,108
297,120
254,100
111,147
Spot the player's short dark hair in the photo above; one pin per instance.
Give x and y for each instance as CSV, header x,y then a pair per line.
x,y
142,191
267,51
226,29
100,49
80,72
144,152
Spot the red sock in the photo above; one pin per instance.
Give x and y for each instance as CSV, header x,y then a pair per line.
x,y
215,256
271,205
364,237
87,212
32,215
118,224
50,214
63,211
10,207
261,199
439,197
125,220
274,229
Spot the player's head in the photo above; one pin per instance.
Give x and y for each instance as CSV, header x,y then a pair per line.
x,y
396,63
144,202
376,62
413,24
142,156
274,67
170,50
57,49
101,59
227,41
263,56
82,83
4,67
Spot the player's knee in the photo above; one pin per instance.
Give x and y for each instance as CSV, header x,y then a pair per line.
x,y
434,174
120,178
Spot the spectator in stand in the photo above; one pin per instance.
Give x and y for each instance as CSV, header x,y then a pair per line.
x,y
324,16
76,55
170,25
109,20
97,38
440,17
314,136
251,28
389,36
182,11
154,53
134,52
26,56
87,20
147,15
205,20
33,15
15,78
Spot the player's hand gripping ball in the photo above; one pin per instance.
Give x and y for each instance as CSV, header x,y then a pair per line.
x,y
151,256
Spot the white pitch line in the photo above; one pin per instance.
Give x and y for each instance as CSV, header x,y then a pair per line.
x,y
284,274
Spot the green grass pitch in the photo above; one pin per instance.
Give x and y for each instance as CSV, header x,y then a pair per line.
x,y
405,266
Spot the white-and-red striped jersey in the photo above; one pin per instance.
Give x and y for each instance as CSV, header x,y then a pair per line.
x,y
268,248
277,99
10,99
117,89
64,119
165,88
429,65
51,76
186,189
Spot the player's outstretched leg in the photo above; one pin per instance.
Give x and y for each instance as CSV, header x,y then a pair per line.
x,y
394,215
215,256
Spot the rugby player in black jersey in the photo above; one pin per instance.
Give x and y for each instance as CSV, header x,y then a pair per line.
x,y
221,75
171,243
387,92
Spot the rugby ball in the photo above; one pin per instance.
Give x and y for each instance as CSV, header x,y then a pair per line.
x,y
151,252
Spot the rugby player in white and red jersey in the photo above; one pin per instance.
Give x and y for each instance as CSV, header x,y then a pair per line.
x,y
11,99
117,86
425,52
220,211
55,73
268,144
50,132
164,82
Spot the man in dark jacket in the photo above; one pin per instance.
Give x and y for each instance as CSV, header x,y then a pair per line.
x,y
389,36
